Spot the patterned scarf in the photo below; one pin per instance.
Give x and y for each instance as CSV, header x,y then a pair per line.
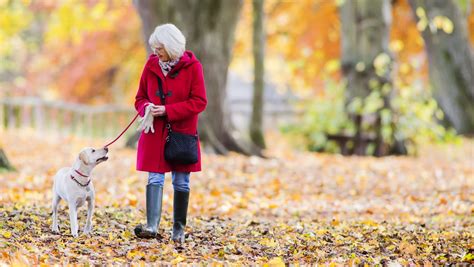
x,y
168,65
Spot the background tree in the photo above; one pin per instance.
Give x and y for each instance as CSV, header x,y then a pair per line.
x,y
256,123
366,63
209,27
451,59
4,163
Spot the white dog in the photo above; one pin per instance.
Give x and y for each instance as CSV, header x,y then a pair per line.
x,y
74,185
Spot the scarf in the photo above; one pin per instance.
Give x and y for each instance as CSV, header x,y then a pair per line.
x,y
168,65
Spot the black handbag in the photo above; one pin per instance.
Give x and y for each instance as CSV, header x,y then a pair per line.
x,y
180,148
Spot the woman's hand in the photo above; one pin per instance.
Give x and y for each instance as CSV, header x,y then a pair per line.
x,y
158,110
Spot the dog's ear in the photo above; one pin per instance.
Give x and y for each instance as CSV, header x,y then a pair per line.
x,y
83,157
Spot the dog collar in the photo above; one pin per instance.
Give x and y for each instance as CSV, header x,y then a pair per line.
x,y
83,175
79,183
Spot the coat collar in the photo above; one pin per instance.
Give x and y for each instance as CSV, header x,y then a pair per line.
x,y
186,60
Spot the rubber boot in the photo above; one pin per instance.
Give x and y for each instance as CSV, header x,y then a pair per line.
x,y
154,199
180,211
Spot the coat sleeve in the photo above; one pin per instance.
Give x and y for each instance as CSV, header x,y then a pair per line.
x,y
196,102
141,99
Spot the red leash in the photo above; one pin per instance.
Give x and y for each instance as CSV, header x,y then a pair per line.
x,y
123,130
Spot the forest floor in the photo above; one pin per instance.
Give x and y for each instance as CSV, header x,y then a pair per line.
x,y
294,207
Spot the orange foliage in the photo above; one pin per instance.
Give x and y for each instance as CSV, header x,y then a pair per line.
x,y
407,45
103,63
102,66
305,37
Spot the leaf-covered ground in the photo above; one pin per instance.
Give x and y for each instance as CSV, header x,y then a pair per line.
x,y
294,207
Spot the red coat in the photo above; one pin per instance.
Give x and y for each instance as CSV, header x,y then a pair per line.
x,y
186,98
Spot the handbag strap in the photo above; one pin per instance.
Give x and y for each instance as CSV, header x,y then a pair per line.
x,y
163,100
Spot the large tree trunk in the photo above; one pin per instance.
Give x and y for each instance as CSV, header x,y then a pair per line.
x,y
451,60
256,132
4,163
367,64
209,27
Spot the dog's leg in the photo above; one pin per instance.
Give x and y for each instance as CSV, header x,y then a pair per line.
x,y
73,218
90,211
56,199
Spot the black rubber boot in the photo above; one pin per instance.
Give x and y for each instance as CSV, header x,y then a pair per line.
x,y
180,211
154,199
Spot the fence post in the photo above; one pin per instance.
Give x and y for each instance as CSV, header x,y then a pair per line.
x,y
25,115
74,122
39,115
10,115
63,118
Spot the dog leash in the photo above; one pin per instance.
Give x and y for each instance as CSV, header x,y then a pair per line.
x,y
136,116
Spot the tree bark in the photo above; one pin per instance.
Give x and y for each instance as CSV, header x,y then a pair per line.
x,y
367,64
209,27
256,123
451,62
4,163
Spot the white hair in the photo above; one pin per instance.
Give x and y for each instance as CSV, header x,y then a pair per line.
x,y
171,38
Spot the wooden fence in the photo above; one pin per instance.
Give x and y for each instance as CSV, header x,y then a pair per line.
x,y
63,118
106,121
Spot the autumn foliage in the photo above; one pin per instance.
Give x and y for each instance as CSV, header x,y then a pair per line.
x,y
293,207
94,50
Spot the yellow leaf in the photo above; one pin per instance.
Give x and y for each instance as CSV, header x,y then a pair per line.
x,y
321,231
126,235
407,248
444,23
44,257
448,26
273,206
370,223
420,12
134,253
332,65
268,242
6,234
381,61
255,233
421,25
277,261
177,260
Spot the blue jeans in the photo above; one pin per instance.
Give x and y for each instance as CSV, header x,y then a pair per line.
x,y
180,180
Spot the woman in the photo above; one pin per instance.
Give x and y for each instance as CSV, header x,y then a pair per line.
x,y
182,82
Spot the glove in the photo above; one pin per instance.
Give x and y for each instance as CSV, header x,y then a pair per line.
x,y
146,122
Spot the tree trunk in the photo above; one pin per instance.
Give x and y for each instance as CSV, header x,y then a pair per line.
x,y
209,27
256,132
451,60
367,64
4,163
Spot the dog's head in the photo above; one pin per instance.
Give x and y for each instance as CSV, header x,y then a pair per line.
x,y
92,156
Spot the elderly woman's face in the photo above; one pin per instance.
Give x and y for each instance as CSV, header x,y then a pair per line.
x,y
161,53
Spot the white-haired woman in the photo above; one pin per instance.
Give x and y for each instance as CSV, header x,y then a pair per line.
x,y
182,82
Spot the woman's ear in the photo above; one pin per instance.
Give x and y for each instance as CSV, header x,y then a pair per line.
x,y
83,157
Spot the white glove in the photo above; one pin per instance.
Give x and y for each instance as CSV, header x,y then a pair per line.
x,y
146,122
